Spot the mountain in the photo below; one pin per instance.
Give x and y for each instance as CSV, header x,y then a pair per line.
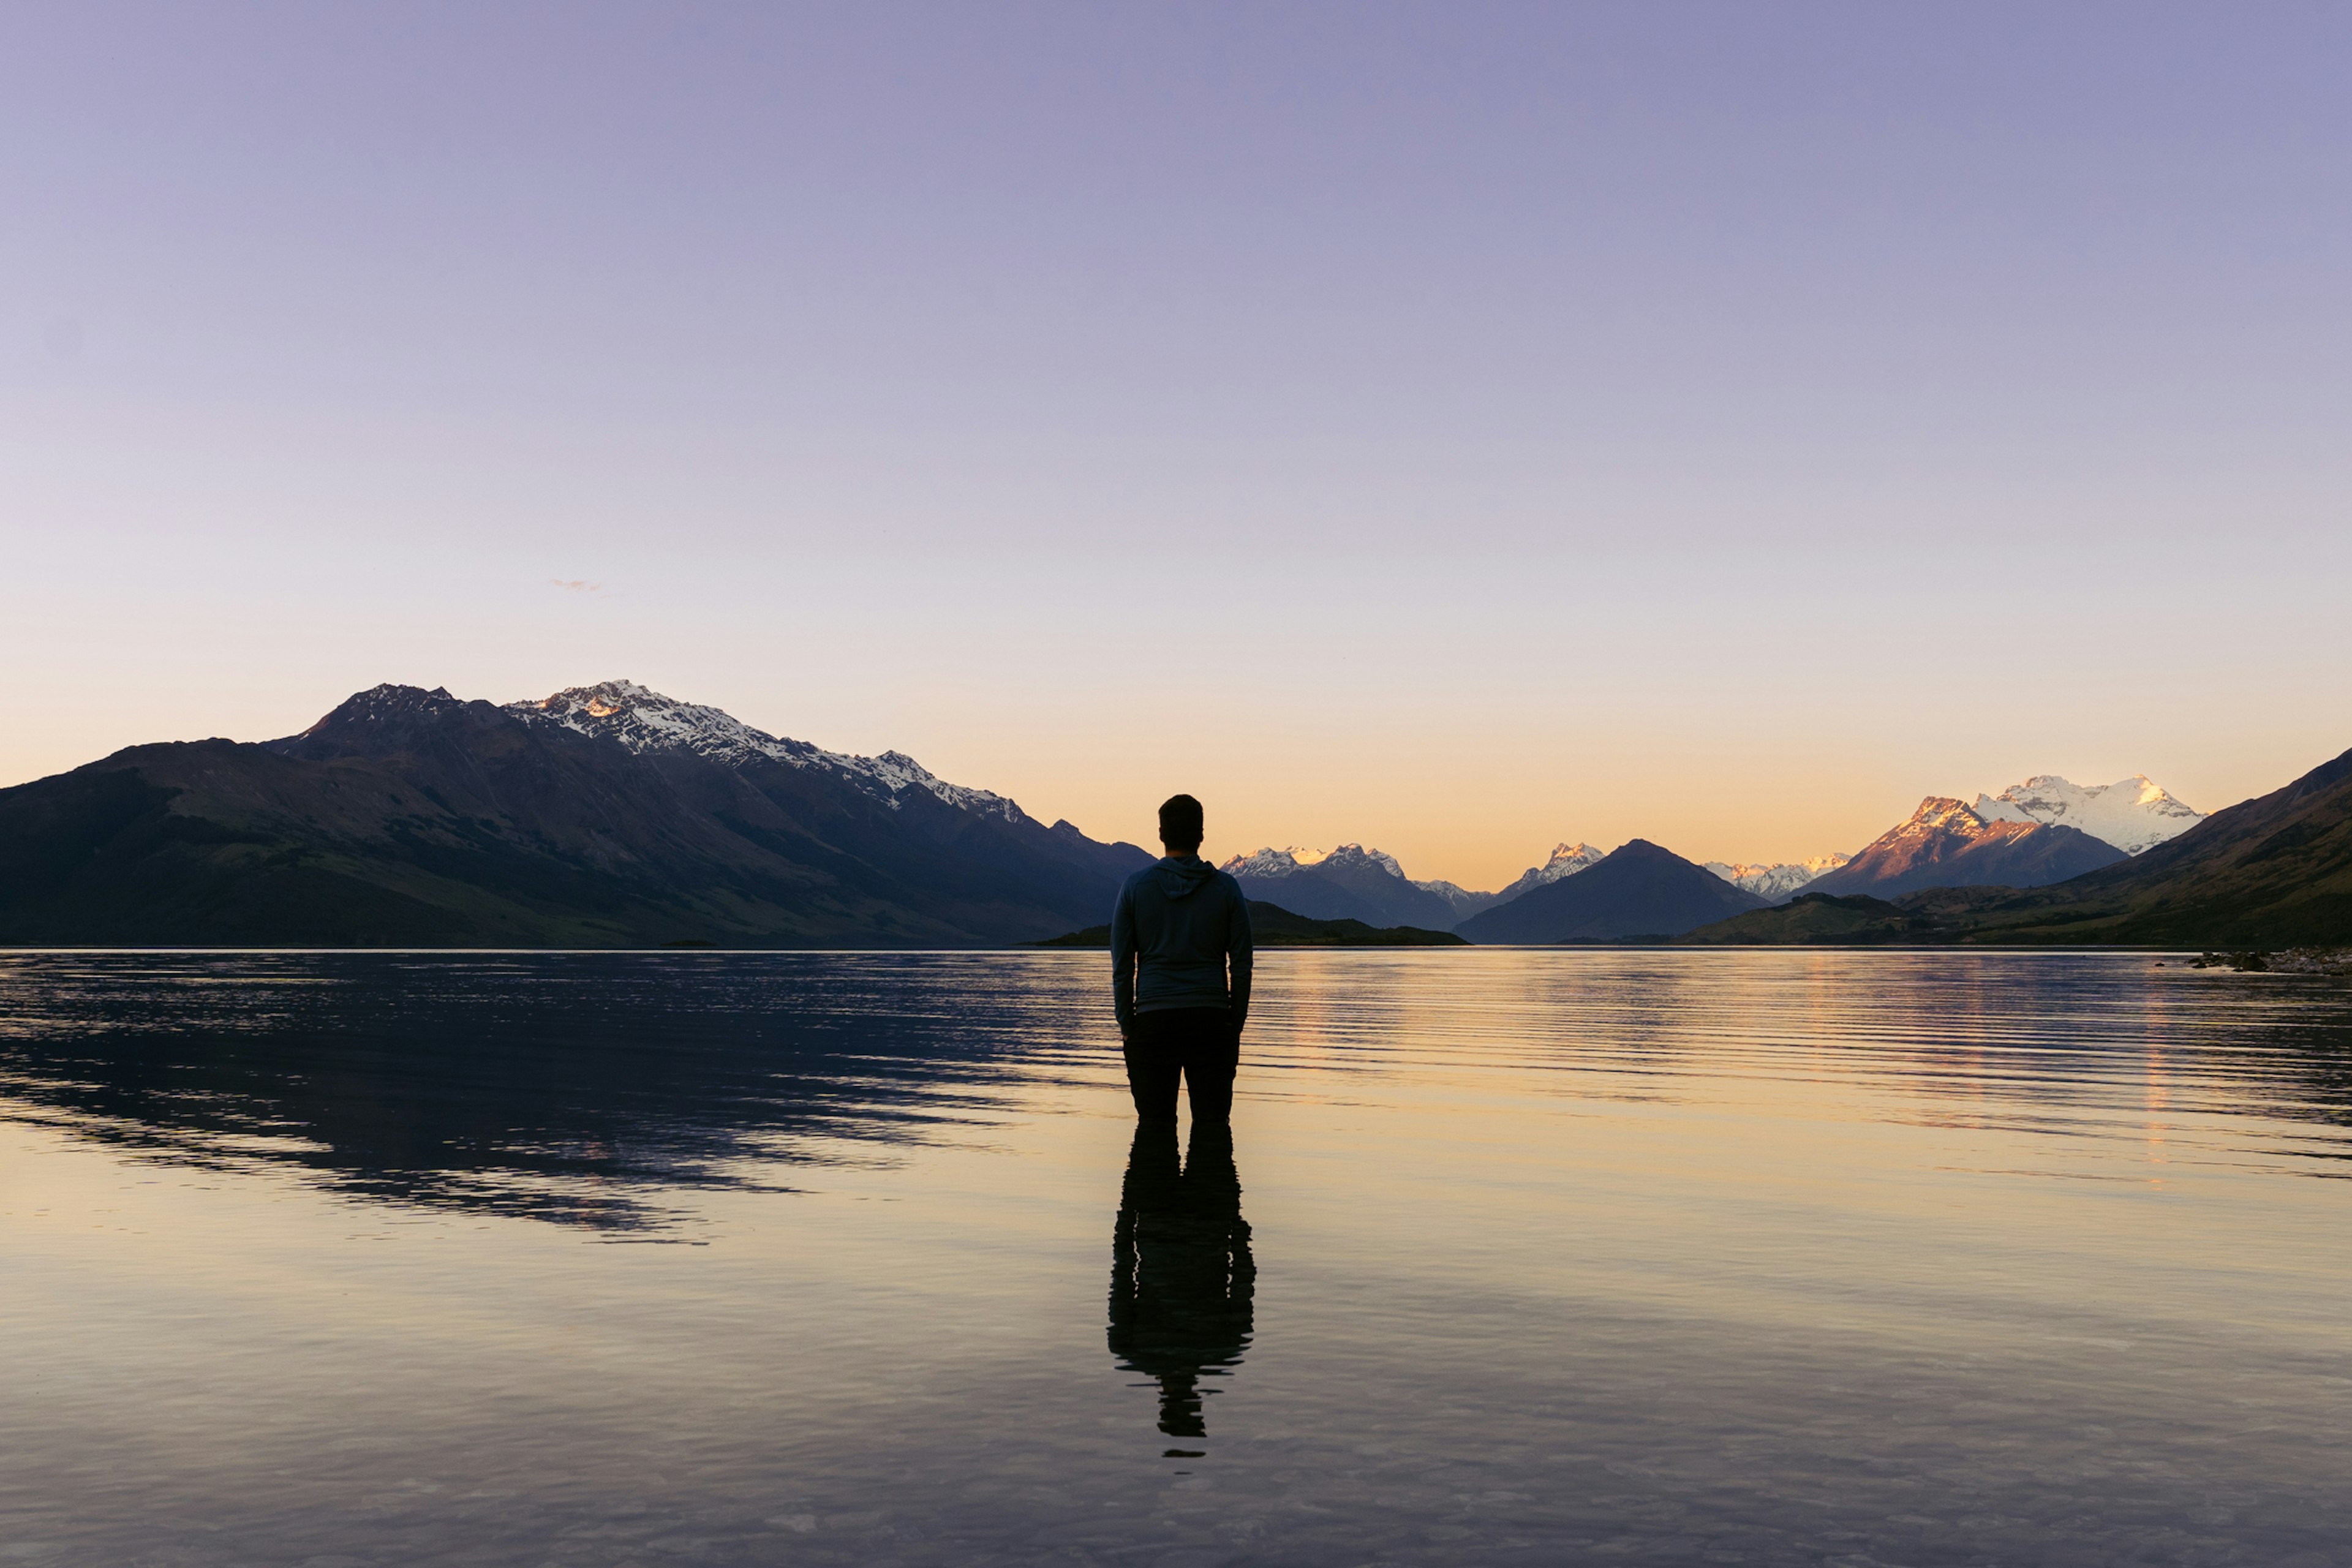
x,y
1947,844
2133,814
1638,890
1774,883
2274,871
1350,882
602,817
1355,883
1464,901
1567,860
1272,926
2269,873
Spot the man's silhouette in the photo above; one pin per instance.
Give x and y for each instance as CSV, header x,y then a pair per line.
x,y
1182,1275
1180,965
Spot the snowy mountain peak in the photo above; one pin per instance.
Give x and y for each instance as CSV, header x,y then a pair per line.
x,y
2133,814
1357,855
1270,862
1777,882
644,720
1566,861
1943,814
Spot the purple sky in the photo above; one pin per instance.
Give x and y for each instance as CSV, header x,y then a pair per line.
x,y
1719,423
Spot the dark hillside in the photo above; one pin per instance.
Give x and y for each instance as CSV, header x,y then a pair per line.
x,y
1638,890
1816,919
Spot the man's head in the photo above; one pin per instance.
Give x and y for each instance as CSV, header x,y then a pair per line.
x,y
1179,825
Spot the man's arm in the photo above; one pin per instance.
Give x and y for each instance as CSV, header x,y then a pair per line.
x,y
1239,953
1122,963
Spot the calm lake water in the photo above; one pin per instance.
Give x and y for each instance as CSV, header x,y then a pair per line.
x,y
1513,1256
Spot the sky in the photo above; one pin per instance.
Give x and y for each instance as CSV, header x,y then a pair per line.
x,y
1451,428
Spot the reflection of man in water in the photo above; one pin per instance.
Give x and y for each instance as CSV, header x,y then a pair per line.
x,y
1176,931
1182,1275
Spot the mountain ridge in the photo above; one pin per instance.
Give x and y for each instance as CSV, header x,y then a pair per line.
x,y
1349,882
1639,890
612,814
1565,860
1946,843
2134,814
406,816
1773,883
2272,872
644,720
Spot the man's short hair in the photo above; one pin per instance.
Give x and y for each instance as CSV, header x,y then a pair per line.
x,y
1180,822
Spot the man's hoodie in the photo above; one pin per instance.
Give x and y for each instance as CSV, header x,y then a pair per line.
x,y
1176,928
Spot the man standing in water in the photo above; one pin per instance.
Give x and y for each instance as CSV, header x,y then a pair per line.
x,y
1177,928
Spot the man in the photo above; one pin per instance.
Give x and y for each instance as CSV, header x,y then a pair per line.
x,y
1177,929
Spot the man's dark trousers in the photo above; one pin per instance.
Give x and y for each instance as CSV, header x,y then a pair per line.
x,y
1199,1043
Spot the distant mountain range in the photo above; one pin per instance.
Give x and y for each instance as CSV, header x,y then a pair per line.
x,y
1351,883
2133,814
1648,891
612,815
1774,883
1938,846
1640,890
1947,844
2274,871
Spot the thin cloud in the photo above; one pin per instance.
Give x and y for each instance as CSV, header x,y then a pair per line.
x,y
577,585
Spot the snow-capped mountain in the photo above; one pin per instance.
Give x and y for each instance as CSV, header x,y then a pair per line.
x,y
646,720
1350,882
1284,862
610,815
2133,813
1567,860
1774,883
1947,844
1363,874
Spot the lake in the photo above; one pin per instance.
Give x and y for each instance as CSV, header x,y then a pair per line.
x,y
1513,1256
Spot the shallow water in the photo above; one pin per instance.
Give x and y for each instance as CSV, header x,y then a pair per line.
x,y
1514,1256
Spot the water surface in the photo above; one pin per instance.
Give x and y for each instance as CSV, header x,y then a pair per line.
x,y
1512,1256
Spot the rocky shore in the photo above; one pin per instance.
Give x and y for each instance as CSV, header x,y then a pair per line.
x,y
2292,960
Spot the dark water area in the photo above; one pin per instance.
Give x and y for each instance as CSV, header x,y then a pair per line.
x,y
587,1089
1510,1256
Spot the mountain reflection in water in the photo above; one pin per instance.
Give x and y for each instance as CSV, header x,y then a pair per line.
x,y
581,1089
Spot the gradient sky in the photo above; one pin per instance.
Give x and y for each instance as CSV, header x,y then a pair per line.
x,y
1453,428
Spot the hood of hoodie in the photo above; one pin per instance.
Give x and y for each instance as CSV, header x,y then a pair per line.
x,y
1181,878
